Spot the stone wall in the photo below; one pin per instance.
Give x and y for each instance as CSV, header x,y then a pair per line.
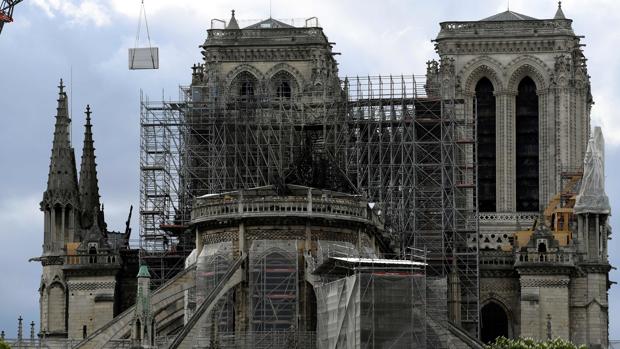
x,y
91,303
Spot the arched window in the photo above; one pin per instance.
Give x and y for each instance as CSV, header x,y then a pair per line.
x,y
244,85
494,322
92,254
138,330
247,89
274,292
284,89
282,84
526,124
56,308
485,124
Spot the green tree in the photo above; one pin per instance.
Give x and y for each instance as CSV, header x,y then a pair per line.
x,y
4,345
529,343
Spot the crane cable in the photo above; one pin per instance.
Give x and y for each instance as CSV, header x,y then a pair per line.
x,y
148,34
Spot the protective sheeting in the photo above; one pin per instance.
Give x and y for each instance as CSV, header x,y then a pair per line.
x,y
592,197
372,310
338,311
213,263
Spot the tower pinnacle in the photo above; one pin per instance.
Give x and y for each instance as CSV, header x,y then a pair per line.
x,y
559,14
62,178
88,185
232,24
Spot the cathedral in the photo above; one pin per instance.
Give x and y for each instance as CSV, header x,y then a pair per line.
x,y
314,211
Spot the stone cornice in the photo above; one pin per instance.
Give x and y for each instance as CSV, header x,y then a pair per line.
x,y
258,54
544,269
493,47
602,268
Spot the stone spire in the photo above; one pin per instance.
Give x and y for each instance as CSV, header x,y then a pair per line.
x,y
89,188
62,177
232,24
143,325
559,14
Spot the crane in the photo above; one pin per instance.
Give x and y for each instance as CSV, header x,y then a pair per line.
x,y
6,11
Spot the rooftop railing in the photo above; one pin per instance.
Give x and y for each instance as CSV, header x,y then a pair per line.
x,y
555,258
206,209
544,26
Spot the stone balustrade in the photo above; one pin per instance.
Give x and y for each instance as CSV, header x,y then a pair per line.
x,y
222,207
541,27
492,259
99,258
555,258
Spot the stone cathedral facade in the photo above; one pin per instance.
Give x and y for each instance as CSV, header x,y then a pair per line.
x,y
543,254
541,202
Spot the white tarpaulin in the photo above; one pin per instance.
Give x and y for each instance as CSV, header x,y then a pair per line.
x,y
592,197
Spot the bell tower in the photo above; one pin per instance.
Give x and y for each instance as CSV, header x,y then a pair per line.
x,y
61,223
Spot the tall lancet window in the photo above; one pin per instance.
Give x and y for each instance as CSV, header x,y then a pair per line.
x,y
485,124
527,146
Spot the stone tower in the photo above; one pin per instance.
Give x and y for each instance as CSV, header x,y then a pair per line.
x,y
80,264
266,68
542,238
61,211
91,273
530,79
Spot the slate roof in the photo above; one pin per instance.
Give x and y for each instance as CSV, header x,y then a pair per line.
x,y
507,16
269,24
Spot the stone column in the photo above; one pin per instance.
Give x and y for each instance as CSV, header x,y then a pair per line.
x,y
53,229
505,150
546,172
63,227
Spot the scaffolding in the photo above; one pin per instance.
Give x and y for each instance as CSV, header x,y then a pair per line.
x,y
162,205
403,141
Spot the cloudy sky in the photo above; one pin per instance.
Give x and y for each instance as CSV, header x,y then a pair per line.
x,y
86,41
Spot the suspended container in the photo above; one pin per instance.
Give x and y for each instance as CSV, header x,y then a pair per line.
x,y
143,57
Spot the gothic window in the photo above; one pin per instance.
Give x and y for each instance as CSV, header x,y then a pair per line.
x,y
274,292
527,146
57,236
68,224
138,330
284,89
92,254
494,322
244,85
282,84
485,124
56,308
247,89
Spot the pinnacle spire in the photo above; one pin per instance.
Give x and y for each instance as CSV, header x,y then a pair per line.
x,y
88,185
232,24
62,172
559,14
